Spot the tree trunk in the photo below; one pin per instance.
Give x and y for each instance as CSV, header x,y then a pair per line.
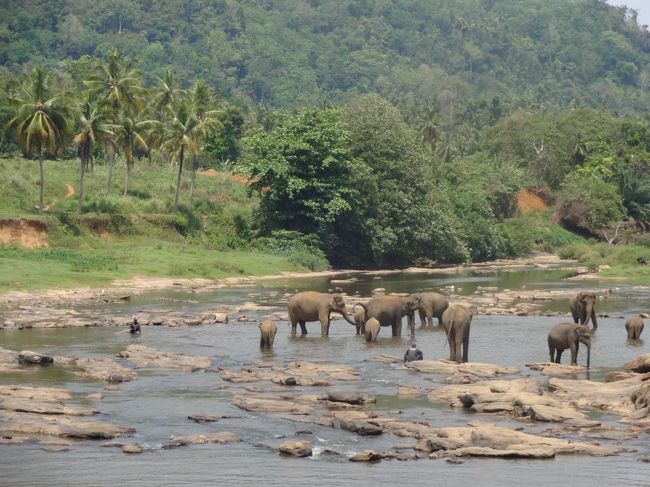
x,y
111,161
41,195
81,187
192,183
126,180
178,179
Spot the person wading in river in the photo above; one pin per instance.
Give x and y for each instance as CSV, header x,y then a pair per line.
x,y
413,353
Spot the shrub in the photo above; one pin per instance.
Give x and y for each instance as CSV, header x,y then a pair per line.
x,y
300,249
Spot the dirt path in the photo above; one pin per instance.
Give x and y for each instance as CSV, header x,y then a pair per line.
x,y
70,192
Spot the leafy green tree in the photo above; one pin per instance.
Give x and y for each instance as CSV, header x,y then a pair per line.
x,y
130,135
94,126
635,192
41,123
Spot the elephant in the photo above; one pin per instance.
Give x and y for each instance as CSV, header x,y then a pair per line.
x,y
568,335
267,330
582,308
431,305
360,320
389,311
634,327
456,320
372,330
315,306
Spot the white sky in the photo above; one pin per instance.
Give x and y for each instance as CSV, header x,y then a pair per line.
x,y
641,6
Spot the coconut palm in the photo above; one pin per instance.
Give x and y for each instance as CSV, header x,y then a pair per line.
x,y
94,127
130,135
120,85
167,94
41,122
184,136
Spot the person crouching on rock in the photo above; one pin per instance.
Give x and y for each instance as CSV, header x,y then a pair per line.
x,y
413,353
135,327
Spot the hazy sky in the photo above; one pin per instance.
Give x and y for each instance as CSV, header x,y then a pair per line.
x,y
641,6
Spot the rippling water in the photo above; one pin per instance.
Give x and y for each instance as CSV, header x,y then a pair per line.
x,y
158,402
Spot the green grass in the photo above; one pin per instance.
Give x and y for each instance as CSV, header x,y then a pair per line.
x,y
119,236
621,259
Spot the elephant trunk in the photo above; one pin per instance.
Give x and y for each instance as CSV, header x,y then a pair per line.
x,y
348,319
411,322
588,354
589,309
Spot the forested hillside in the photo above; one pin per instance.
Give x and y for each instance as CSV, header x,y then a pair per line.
x,y
369,133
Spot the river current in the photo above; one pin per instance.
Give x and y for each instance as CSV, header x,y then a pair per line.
x,y
158,402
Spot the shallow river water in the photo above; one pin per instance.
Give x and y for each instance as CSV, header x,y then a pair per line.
x,y
158,402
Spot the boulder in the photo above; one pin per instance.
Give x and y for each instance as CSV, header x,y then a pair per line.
x,y
640,364
105,369
349,397
27,357
363,428
296,448
132,448
265,404
366,456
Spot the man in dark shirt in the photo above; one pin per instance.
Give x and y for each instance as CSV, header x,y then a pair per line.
x,y
412,353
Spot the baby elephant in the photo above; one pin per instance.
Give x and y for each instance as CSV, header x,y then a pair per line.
x,y
268,330
372,330
568,335
634,327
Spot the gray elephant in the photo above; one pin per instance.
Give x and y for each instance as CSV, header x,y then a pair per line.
x,y
389,311
431,305
456,320
634,327
371,331
582,308
360,319
314,306
568,335
267,332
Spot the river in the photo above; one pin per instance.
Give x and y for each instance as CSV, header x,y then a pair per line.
x,y
158,402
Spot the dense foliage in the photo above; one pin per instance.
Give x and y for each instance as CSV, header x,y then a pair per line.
x,y
373,133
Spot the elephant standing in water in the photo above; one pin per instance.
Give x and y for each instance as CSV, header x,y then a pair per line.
x,y
582,308
267,331
431,305
634,327
456,321
389,311
371,330
568,335
314,306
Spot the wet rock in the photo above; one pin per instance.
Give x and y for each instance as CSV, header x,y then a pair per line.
x,y
58,425
35,407
454,461
147,357
387,359
132,448
350,397
617,375
203,418
105,369
640,364
293,373
363,428
27,357
296,448
467,395
37,394
515,452
366,456
263,404
541,412
448,367
645,459
217,438
554,370
409,390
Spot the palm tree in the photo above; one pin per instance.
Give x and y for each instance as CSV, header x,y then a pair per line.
x,y
167,94
202,101
120,85
430,128
41,122
94,126
184,135
130,134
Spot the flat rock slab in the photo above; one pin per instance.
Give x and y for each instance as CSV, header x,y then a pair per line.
x,y
265,404
132,448
366,456
449,367
296,448
350,397
57,425
146,357
293,373
554,370
38,394
219,438
22,405
499,390
105,369
515,452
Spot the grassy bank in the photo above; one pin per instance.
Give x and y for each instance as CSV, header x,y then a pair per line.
x,y
117,236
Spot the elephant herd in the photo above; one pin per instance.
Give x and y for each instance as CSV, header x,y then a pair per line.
x,y
456,319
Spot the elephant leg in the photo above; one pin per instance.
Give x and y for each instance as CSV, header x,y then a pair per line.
x,y
430,319
466,346
574,354
303,328
558,356
458,343
294,324
324,324
423,318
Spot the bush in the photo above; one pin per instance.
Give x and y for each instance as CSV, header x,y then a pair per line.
x,y
300,249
